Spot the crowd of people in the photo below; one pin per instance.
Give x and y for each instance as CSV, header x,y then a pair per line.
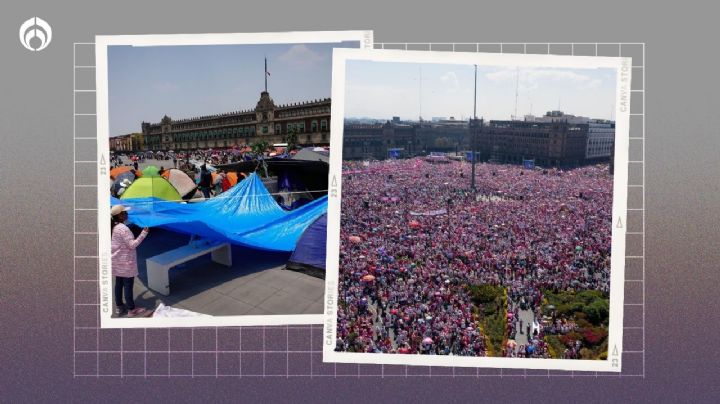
x,y
414,236
196,164
183,158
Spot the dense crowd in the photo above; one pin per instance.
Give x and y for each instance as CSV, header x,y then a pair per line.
x,y
178,159
405,264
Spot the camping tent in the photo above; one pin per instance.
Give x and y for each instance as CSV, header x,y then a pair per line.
x,y
151,171
309,154
151,187
309,254
246,215
120,180
182,182
232,177
119,170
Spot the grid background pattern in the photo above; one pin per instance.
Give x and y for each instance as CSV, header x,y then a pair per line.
x,y
296,351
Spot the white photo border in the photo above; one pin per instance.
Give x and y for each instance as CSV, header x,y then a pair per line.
x,y
623,66
365,39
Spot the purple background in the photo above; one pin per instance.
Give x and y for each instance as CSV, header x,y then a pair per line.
x,y
36,288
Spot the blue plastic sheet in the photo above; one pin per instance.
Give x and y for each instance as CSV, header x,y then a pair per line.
x,y
246,215
310,250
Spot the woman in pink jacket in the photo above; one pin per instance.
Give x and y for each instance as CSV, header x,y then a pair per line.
x,y
124,262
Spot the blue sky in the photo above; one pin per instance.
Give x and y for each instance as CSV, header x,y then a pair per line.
x,y
385,89
145,83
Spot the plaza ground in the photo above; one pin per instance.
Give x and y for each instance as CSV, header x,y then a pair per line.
x,y
256,284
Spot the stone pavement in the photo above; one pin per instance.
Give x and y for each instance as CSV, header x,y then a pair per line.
x,y
526,317
256,284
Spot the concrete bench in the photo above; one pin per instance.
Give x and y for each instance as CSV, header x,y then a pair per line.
x,y
158,267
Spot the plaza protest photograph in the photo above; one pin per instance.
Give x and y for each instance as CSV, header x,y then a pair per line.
x,y
481,210
216,187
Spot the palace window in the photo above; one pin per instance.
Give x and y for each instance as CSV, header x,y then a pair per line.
x,y
314,126
323,125
265,129
278,128
301,127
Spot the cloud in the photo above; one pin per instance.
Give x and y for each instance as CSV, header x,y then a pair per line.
x,y
301,55
451,79
530,79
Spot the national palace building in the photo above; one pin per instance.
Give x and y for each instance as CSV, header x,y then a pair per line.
x,y
309,120
555,139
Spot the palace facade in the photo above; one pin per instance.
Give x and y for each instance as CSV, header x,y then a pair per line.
x,y
309,122
554,144
551,143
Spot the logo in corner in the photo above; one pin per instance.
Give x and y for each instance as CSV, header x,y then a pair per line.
x,y
35,34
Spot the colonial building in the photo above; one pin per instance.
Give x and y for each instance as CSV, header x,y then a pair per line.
x,y
363,141
373,141
600,136
309,122
601,140
556,143
553,140
123,143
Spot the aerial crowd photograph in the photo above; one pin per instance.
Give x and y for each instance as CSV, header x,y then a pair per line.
x,y
476,210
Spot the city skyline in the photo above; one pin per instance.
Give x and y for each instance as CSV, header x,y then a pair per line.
x,y
146,83
372,88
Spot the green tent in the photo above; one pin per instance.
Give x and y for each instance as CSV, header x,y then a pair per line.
x,y
151,187
151,171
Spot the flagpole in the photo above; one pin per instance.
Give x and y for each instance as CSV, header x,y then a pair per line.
x,y
474,132
266,75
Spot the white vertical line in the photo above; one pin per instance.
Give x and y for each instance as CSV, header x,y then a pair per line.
x,y
74,228
216,352
240,351
263,351
644,63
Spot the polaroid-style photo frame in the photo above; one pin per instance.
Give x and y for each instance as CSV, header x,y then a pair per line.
x,y
483,239
181,101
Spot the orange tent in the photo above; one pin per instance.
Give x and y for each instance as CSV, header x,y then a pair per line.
x,y
119,170
232,176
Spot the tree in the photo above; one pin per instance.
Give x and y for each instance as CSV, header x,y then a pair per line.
x,y
483,294
291,139
259,149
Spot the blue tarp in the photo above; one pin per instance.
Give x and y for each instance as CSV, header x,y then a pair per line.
x,y
310,250
246,215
